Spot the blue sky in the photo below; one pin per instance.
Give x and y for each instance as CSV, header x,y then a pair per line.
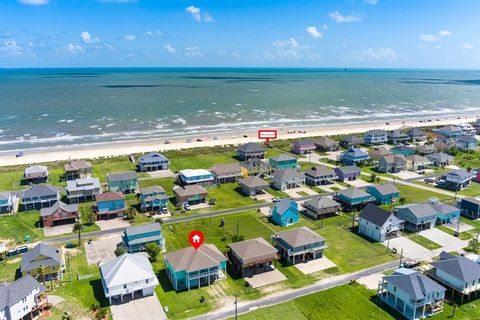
x,y
351,33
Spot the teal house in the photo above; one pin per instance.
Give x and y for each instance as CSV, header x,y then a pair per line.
x,y
384,193
353,199
188,268
285,213
353,156
152,198
110,205
135,238
283,161
126,182
403,150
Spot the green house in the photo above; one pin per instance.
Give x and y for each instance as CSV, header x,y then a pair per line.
x,y
126,182
283,161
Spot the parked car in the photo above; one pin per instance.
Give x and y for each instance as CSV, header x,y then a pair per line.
x,y
276,199
164,210
186,206
167,142
199,140
18,155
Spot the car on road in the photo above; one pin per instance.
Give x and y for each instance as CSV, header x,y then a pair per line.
x,y
186,207
276,199
18,155
199,140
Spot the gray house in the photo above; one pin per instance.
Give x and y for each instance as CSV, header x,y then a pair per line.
x,y
252,186
226,172
351,142
391,164
347,173
153,161
35,174
416,134
299,245
417,216
378,152
426,149
81,190
250,151
440,159
319,175
319,207
39,196
41,255
326,144
288,179
379,224
77,169
397,137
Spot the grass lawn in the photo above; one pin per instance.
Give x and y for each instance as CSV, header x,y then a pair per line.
x,y
103,166
16,227
277,193
472,191
466,159
412,194
424,242
8,269
303,193
228,196
188,159
462,235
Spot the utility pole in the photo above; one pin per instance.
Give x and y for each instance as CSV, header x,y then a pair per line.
x,y
236,306
353,220
401,257
388,244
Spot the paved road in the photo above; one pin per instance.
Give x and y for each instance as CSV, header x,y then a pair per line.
x,y
292,294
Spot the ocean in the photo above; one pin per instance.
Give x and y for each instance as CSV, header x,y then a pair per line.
x,y
56,107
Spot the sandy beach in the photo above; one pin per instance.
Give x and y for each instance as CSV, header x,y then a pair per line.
x,y
228,138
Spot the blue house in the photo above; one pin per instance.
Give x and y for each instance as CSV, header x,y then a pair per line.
x,y
375,137
470,208
417,216
283,161
466,142
201,177
152,198
6,203
446,213
285,213
110,205
188,268
411,293
403,150
153,161
135,238
347,173
384,193
456,180
353,199
353,156
450,131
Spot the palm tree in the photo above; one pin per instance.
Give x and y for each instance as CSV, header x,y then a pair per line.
x,y
78,227
40,271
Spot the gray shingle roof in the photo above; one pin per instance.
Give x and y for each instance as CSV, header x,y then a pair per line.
x,y
319,171
77,165
467,139
252,248
152,189
283,205
152,156
51,257
416,132
375,215
440,157
5,195
143,228
376,131
305,143
354,193
352,139
41,190
189,190
403,149
130,175
397,134
283,157
415,284
188,259
450,127
252,182
250,147
45,212
458,267
386,188
394,159
326,142
460,173
10,294
287,174
322,202
224,168
299,237
355,152
349,169
419,210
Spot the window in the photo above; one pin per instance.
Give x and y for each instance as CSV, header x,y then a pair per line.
x,y
394,289
146,281
124,286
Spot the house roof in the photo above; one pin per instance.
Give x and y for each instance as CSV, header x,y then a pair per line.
x,y
375,215
253,163
189,259
252,182
415,284
440,157
11,294
380,151
458,267
397,134
130,175
376,131
467,138
195,172
152,156
460,173
5,195
189,190
77,165
416,132
326,141
385,188
83,184
319,171
45,212
127,268
143,228
450,127
283,205
403,149
36,169
252,248
152,189
426,147
472,200
393,159
287,174
30,261
41,190
419,210
348,169
416,158
355,152
283,157
352,139
304,143
444,208
225,168
250,148
299,237
353,193
322,202
109,196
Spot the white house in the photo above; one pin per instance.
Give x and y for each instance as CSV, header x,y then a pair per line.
x,y
22,298
128,274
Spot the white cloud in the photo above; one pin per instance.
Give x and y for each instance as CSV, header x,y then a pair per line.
x,y
444,33
375,54
130,37
197,14
87,37
169,48
292,43
313,31
155,33
325,27
11,46
468,46
193,51
370,1
339,18
428,37
291,49
34,2
74,48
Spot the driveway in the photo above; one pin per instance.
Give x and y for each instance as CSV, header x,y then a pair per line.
x,y
442,238
328,187
315,265
462,228
112,224
146,308
161,174
58,230
265,278
359,183
294,192
406,175
102,249
263,196
410,248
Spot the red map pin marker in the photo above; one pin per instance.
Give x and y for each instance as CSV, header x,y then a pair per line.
x,y
196,239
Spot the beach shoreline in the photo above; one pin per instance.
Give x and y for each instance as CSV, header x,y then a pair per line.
x,y
120,148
